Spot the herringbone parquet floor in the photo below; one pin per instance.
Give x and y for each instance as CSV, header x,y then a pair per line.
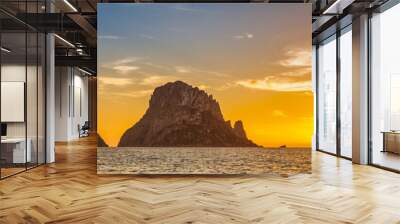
x,y
69,191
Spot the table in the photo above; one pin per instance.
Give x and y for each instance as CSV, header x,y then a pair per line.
x,y
391,141
16,147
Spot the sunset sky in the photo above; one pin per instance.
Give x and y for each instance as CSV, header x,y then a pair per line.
x,y
255,59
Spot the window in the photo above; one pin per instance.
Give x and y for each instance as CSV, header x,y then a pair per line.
x,y
385,89
346,92
327,95
334,106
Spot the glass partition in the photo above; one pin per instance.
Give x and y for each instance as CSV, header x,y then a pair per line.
x,y
31,98
13,90
346,92
385,89
327,95
22,88
41,96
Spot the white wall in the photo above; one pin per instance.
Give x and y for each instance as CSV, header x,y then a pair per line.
x,y
16,73
33,127
71,102
62,81
80,112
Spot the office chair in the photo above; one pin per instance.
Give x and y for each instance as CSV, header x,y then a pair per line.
x,y
84,130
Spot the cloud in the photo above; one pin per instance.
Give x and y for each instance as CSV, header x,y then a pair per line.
x,y
274,83
244,36
297,58
126,60
203,87
115,81
182,69
156,80
186,69
110,37
123,65
299,72
125,68
158,66
134,94
225,86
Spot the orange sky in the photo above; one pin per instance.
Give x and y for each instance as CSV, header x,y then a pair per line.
x,y
260,74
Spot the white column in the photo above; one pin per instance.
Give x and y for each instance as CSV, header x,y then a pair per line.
x,y
360,89
50,99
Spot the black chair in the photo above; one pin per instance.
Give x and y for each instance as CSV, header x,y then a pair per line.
x,y
84,130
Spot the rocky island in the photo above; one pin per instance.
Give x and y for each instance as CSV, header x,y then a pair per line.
x,y
180,115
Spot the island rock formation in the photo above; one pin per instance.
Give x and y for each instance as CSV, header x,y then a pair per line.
x,y
180,115
101,142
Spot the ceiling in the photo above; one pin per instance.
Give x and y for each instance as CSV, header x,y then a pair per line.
x,y
75,21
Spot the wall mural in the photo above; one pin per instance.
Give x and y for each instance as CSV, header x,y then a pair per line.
x,y
204,89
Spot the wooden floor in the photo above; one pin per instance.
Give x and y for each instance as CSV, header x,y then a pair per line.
x,y
69,191
387,159
5,172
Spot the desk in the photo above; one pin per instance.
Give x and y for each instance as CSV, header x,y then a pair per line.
x,y
391,141
19,155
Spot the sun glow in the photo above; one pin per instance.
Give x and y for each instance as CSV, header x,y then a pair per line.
x,y
259,74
